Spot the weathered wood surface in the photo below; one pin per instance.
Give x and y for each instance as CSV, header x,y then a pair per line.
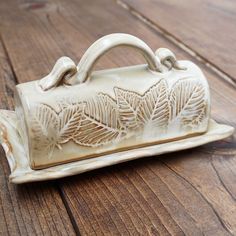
x,y
32,209
205,27
191,192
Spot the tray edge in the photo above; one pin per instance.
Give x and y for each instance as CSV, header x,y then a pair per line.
x,y
22,173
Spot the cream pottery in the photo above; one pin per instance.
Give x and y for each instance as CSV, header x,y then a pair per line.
x,y
93,119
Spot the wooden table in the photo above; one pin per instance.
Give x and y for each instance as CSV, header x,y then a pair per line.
x,y
190,192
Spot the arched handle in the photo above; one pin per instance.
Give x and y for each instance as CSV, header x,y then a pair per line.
x,y
66,71
106,43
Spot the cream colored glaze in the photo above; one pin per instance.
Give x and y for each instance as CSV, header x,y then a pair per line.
x,y
22,173
112,109
129,79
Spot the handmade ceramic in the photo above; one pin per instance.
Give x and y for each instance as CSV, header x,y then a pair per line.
x,y
90,120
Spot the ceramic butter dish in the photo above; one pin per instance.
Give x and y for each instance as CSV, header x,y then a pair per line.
x,y
75,120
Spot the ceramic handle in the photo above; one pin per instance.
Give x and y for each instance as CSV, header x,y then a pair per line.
x,y
104,44
65,70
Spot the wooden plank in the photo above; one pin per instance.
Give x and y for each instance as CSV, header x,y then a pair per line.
x,y
32,209
205,27
190,192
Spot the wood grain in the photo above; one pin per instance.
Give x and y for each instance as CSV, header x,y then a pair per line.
x,y
32,209
185,193
205,27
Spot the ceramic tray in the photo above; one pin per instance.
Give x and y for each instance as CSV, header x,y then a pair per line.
x,y
22,173
75,113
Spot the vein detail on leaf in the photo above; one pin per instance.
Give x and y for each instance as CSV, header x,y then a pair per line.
x,y
100,123
104,120
154,108
128,103
187,102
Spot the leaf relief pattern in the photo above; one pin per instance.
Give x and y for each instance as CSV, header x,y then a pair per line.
x,y
154,108
128,103
187,103
70,119
105,120
44,129
100,123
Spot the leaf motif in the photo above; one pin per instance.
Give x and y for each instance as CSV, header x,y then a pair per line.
x,y
64,102
70,118
100,123
45,129
103,120
128,103
154,109
187,102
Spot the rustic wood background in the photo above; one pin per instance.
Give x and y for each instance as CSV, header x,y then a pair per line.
x,y
190,192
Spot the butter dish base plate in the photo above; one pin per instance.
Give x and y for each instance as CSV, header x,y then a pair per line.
x,y
22,173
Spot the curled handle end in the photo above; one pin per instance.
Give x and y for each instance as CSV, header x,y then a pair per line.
x,y
64,68
168,59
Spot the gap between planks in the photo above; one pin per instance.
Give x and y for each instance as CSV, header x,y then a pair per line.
x,y
57,188
177,42
69,212
8,59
